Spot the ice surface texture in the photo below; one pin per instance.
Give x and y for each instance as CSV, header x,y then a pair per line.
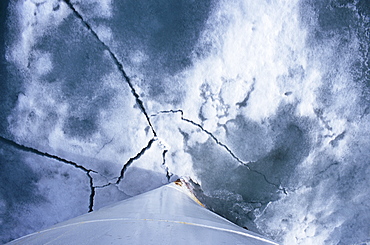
x,y
264,103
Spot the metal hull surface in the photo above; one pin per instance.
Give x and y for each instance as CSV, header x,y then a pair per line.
x,y
167,215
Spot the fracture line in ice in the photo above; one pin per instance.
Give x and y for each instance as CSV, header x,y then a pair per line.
x,y
283,189
92,193
116,62
245,101
48,155
206,131
133,91
138,155
221,144
45,154
132,159
168,173
102,186
101,148
142,108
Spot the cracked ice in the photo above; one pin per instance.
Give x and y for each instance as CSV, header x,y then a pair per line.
x,y
103,100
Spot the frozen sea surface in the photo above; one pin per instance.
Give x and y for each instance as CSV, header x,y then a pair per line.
x,y
265,104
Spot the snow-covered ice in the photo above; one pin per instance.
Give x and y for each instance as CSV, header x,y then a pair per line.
x,y
265,104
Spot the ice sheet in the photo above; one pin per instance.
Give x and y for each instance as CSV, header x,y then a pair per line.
x,y
264,104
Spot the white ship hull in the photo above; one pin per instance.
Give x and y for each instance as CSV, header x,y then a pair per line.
x,y
167,215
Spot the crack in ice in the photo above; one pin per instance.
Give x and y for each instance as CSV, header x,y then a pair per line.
x,y
168,173
335,141
243,163
105,144
140,103
44,154
244,103
48,155
132,159
207,132
283,189
116,62
327,168
103,186
92,193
